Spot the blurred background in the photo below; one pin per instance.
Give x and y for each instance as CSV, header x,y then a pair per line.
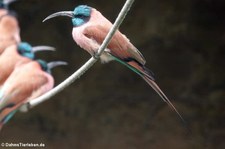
x,y
112,107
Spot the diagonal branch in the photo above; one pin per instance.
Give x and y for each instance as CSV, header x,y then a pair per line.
x,y
86,66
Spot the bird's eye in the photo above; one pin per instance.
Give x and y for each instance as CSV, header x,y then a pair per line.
x,y
80,16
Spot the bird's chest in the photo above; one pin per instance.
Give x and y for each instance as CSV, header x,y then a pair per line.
x,y
88,44
79,37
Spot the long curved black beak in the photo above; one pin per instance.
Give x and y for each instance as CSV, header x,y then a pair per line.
x,y
61,13
42,48
55,64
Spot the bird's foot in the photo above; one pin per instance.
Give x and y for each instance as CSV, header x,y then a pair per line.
x,y
96,55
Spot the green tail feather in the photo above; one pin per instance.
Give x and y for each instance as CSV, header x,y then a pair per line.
x,y
130,67
8,117
148,80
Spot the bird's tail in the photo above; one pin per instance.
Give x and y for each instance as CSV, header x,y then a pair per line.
x,y
148,76
5,116
162,95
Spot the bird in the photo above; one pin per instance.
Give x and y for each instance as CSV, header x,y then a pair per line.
x,y
90,28
9,26
15,54
26,82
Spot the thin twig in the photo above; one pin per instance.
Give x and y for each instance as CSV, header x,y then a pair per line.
x,y
86,66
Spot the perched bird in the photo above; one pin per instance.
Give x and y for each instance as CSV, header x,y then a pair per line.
x,y
15,54
90,28
26,82
9,27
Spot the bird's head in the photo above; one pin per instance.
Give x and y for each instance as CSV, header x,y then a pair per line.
x,y
48,66
26,50
80,15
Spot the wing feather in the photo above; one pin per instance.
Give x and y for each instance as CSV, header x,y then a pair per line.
x,y
119,45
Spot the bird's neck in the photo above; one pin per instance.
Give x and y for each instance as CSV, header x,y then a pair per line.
x,y
78,22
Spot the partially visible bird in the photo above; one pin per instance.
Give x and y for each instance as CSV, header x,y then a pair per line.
x,y
26,82
15,54
9,26
4,4
90,28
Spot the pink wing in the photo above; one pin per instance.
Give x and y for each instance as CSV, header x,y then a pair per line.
x,y
24,83
119,46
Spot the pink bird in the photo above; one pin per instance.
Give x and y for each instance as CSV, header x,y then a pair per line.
x,y
9,30
15,54
26,82
90,28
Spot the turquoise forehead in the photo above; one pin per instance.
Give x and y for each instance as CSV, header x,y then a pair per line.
x,y
82,10
25,46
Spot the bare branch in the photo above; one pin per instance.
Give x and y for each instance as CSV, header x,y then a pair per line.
x,y
86,66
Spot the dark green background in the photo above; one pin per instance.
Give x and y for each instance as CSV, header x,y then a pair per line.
x,y
110,106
